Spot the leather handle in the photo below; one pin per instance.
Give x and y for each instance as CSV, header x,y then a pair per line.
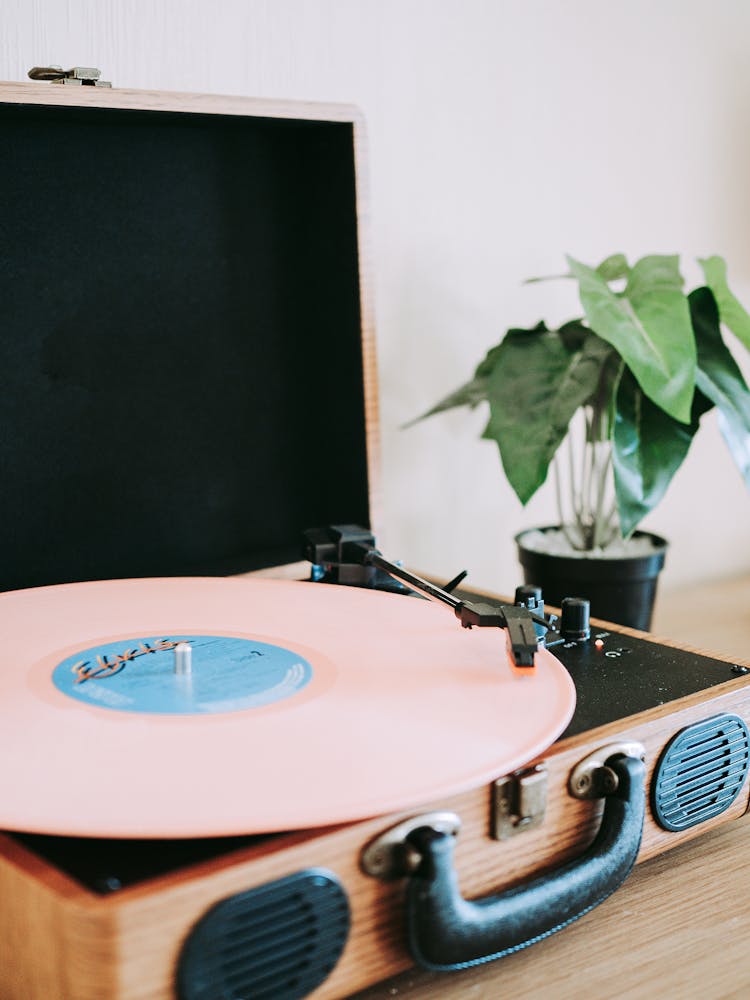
x,y
447,931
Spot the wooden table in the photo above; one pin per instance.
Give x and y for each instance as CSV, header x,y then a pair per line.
x,y
679,927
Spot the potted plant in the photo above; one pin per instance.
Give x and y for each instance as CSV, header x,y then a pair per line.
x,y
611,401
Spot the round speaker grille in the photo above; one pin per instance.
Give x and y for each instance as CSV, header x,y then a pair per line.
x,y
701,772
276,942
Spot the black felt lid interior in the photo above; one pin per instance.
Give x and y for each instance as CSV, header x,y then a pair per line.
x,y
180,352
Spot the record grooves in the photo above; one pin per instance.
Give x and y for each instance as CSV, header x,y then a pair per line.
x,y
308,701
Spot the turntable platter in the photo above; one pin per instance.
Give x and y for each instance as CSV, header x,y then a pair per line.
x,y
200,707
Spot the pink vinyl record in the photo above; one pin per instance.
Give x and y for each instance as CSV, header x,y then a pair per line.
x,y
211,706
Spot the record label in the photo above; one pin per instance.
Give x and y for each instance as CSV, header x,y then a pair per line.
x,y
227,674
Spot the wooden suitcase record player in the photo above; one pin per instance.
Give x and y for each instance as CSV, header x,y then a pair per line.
x,y
188,352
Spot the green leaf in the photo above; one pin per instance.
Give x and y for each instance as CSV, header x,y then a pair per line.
x,y
573,334
731,310
649,446
720,379
649,325
534,390
545,277
473,392
614,267
609,383
611,269
487,365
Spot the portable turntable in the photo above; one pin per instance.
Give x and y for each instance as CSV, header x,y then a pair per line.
x,y
211,787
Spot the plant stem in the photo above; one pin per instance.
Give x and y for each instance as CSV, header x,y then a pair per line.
x,y
612,521
561,513
574,499
582,512
599,521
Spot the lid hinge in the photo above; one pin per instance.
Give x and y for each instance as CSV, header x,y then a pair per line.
x,y
78,76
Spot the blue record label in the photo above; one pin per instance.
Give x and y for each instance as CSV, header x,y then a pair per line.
x,y
227,674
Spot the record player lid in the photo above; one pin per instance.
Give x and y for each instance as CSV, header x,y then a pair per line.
x,y
182,347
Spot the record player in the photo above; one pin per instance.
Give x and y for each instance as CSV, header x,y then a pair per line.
x,y
227,772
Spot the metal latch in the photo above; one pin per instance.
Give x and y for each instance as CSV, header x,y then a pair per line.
x,y
78,76
519,802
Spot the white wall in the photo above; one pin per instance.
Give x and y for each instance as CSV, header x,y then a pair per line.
x,y
503,134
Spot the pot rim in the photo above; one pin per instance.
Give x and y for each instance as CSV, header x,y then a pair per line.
x,y
660,551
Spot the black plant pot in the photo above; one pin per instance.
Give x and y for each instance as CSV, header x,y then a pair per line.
x,y
621,589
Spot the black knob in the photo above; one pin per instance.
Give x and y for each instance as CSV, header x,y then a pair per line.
x,y
526,593
574,621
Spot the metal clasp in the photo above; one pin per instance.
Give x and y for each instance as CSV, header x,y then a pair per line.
x,y
519,802
78,76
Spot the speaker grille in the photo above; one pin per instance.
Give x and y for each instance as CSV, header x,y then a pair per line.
x,y
701,772
277,942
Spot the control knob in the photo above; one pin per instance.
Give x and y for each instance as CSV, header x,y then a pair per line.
x,y
574,620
